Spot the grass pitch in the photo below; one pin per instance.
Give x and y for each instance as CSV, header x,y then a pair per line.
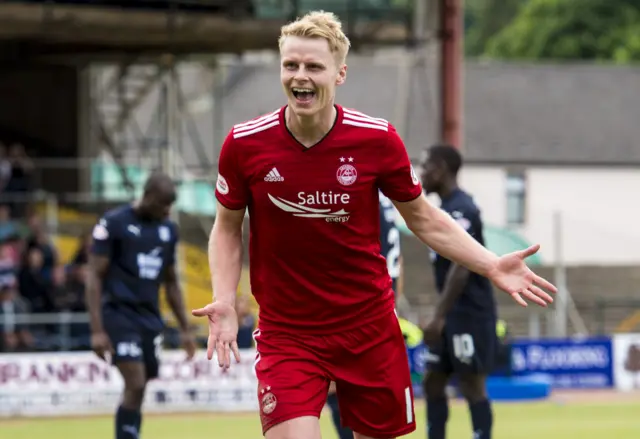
x,y
547,420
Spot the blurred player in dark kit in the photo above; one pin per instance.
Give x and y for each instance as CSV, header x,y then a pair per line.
x,y
133,254
462,333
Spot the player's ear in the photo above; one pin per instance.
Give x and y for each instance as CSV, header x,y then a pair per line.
x,y
342,74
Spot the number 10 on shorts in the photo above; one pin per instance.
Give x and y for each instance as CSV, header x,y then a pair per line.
x,y
463,346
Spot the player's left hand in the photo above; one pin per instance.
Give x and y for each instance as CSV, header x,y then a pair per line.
x,y
512,275
433,331
188,344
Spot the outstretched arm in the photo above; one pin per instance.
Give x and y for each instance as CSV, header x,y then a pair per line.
x,y
399,181
225,264
438,230
225,254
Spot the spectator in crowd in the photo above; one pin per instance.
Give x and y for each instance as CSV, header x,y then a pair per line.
x,y
81,256
19,183
77,274
13,336
71,295
5,168
34,285
8,266
8,228
39,238
246,322
58,291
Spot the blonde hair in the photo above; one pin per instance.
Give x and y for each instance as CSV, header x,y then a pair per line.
x,y
319,24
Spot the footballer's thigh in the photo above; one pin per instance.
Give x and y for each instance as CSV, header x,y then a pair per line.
x,y
292,386
128,356
362,436
151,351
438,369
307,427
471,344
135,381
373,382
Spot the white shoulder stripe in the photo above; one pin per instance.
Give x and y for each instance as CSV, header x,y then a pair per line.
x,y
365,125
268,120
364,119
255,121
248,132
359,114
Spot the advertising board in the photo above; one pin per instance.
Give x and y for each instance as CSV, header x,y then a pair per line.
x,y
58,384
568,363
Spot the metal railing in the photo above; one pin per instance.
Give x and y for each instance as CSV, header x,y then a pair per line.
x,y
67,331
51,331
614,315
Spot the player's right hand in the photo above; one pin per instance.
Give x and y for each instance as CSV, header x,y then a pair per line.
x,y
101,345
223,332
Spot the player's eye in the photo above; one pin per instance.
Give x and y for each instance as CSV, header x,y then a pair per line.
x,y
290,65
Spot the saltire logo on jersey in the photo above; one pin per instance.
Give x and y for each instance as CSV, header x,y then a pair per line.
x,y
304,211
256,125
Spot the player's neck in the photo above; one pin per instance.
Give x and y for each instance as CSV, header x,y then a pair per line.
x,y
309,130
139,211
447,189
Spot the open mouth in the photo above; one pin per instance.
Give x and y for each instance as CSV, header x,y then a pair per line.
x,y
303,94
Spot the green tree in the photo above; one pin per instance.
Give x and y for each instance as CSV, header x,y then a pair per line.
x,y
484,19
607,30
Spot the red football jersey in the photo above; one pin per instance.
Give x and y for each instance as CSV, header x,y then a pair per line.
x,y
314,250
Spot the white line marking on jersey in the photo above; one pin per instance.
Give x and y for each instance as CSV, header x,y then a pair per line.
x,y
350,113
359,119
365,125
237,135
256,125
256,121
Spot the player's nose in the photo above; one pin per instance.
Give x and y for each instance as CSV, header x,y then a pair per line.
x,y
300,77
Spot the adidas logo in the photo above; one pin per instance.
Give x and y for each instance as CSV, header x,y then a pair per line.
x,y
273,176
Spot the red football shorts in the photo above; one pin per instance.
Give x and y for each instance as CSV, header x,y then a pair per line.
x,y
369,365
